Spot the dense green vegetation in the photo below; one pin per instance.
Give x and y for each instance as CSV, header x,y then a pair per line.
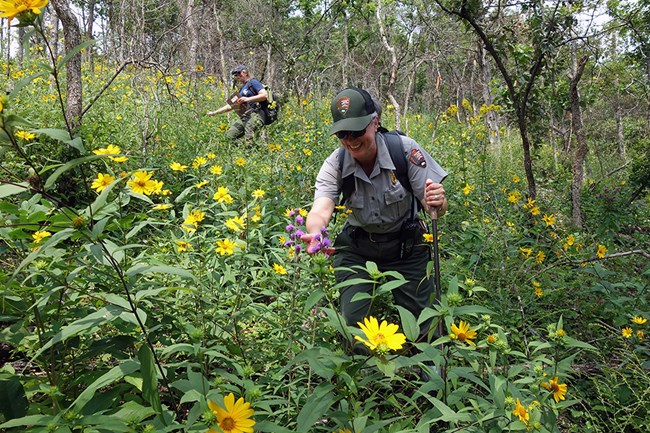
x,y
148,269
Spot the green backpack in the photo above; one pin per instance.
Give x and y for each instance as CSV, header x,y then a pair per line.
x,y
272,109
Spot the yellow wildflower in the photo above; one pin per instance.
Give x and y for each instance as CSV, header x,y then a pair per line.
x,y
381,337
462,332
558,389
626,332
40,235
102,182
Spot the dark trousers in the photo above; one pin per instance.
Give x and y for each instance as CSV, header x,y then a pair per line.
x,y
353,250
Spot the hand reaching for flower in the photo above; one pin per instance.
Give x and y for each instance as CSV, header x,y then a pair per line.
x,y
318,242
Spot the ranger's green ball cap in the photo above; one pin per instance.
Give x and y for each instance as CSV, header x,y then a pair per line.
x,y
352,110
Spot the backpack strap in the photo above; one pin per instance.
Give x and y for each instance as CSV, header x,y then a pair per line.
x,y
396,150
348,185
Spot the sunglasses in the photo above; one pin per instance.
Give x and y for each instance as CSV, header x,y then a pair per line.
x,y
351,134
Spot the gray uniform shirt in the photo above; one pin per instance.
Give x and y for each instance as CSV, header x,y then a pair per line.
x,y
379,202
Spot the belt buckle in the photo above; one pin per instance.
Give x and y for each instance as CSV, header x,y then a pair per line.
x,y
371,239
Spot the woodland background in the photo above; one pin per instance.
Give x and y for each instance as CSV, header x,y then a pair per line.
x,y
123,319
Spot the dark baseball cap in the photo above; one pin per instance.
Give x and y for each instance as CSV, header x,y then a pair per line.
x,y
352,110
238,69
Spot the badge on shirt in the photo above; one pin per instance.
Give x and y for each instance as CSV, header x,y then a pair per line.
x,y
393,178
417,158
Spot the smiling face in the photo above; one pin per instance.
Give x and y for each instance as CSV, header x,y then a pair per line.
x,y
364,147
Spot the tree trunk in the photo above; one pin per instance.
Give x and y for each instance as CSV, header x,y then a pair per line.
x,y
491,118
619,121
20,55
190,44
528,161
647,65
409,89
392,79
346,51
580,153
54,34
72,38
617,106
225,73
90,57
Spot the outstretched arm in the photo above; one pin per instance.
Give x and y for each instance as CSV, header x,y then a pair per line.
x,y
318,218
221,110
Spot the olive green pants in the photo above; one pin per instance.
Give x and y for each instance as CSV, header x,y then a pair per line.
x,y
246,126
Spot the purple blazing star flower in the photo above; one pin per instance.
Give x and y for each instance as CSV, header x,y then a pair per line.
x,y
300,220
290,228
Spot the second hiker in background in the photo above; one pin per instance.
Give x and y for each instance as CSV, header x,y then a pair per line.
x,y
250,103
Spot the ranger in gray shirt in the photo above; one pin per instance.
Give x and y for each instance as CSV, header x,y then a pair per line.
x,y
382,208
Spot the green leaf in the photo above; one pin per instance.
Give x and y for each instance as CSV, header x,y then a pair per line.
x,y
471,310
114,374
337,321
317,404
447,414
453,286
80,326
107,423
149,377
63,136
144,269
313,299
268,426
68,166
27,80
572,342
101,199
13,403
352,282
74,52
386,366
12,189
52,240
30,420
390,285
409,323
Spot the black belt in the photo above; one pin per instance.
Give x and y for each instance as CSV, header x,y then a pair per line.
x,y
359,233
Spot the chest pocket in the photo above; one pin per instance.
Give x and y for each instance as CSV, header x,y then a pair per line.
x,y
397,201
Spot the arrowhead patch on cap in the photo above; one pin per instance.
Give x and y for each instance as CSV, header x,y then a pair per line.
x,y
343,105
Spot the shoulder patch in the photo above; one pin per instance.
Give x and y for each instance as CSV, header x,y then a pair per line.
x,y
416,157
